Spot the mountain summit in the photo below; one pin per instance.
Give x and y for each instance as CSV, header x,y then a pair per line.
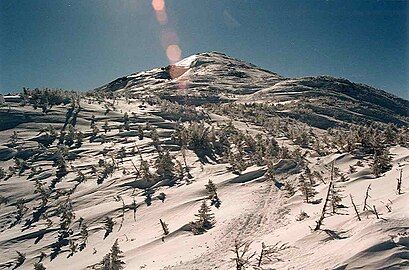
x,y
214,77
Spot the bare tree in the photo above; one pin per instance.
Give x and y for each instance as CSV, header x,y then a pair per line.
x,y
272,253
366,197
242,255
399,184
355,208
164,227
327,199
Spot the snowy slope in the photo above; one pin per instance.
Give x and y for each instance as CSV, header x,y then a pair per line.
x,y
254,208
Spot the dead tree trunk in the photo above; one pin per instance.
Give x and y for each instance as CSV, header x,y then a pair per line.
x,y
324,208
356,209
260,259
376,212
399,185
366,198
164,227
323,212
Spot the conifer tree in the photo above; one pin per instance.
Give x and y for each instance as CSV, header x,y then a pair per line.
x,y
39,266
21,257
116,255
106,127
212,194
289,188
270,174
335,198
13,139
79,139
155,138
204,219
126,121
112,260
69,136
109,226
211,189
381,162
84,235
144,170
165,166
140,132
306,189
148,196
92,123
94,134
260,150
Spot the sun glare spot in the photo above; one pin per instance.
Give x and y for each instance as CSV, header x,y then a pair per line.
x,y
174,53
158,5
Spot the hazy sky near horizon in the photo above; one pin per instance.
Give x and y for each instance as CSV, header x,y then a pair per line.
x,y
81,45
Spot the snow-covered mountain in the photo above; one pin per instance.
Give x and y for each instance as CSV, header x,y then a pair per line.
x,y
216,77
211,163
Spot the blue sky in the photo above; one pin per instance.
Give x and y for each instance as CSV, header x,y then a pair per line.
x,y
83,44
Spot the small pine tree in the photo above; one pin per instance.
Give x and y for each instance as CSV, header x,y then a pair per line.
x,y
335,198
162,196
92,123
21,257
140,132
112,260
80,138
84,235
211,189
212,194
94,134
155,138
109,226
2,173
13,139
69,136
204,219
148,196
289,188
106,127
381,162
306,189
270,174
165,166
144,171
39,266
116,255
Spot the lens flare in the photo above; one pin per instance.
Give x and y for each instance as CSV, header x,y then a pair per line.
x,y
158,5
169,41
174,53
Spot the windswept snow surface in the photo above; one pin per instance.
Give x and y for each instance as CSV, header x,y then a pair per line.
x,y
252,208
